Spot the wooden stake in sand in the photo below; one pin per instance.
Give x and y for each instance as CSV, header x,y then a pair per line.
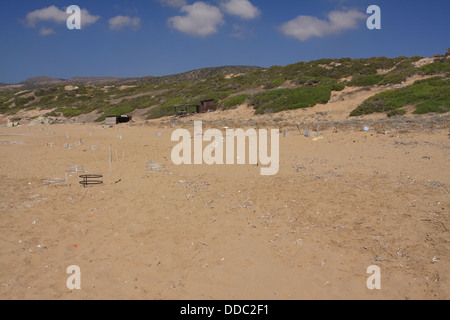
x,y
110,158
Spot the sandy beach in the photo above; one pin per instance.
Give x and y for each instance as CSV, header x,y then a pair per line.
x,y
339,204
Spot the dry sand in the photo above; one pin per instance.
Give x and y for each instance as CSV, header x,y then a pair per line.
x,y
337,206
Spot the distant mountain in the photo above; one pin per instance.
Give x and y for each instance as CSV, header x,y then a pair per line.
x,y
201,74
94,80
41,81
45,81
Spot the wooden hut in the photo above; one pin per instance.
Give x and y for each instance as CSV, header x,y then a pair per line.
x,y
206,106
113,120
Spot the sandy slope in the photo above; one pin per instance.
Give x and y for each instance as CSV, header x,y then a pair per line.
x,y
337,206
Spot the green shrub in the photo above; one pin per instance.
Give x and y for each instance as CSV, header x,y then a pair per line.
x,y
20,102
69,112
404,65
360,80
393,78
305,79
174,102
40,93
415,58
430,95
396,112
438,105
48,91
289,99
46,99
82,90
160,111
234,101
275,83
435,68
52,114
337,86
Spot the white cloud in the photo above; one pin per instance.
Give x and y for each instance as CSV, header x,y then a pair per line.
x,y
201,19
305,27
51,13
120,22
241,32
58,16
242,8
238,32
46,31
87,18
173,3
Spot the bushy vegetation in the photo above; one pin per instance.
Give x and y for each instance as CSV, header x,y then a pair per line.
x,y
160,111
393,78
234,101
275,83
69,112
396,112
435,68
365,80
430,95
20,102
289,99
313,81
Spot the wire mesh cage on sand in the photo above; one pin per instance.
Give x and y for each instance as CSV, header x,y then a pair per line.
x,y
315,136
91,180
10,142
154,167
75,169
55,182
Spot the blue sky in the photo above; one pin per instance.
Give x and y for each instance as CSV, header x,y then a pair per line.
x,y
135,38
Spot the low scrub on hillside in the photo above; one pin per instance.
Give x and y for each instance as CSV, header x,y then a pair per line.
x,y
313,82
430,95
289,99
234,101
366,80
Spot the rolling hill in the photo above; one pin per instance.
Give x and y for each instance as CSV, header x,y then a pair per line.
x,y
267,90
